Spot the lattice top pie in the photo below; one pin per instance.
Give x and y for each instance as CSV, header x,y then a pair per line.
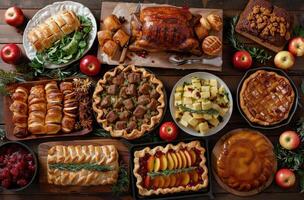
x,y
128,101
266,98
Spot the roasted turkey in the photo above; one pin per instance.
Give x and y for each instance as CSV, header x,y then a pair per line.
x,y
164,28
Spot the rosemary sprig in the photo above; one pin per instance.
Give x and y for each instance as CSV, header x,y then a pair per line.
x,y
210,111
122,184
168,172
77,167
256,53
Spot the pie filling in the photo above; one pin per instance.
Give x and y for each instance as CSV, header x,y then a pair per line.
x,y
171,169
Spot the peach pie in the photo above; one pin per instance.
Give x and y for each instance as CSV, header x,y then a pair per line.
x,y
170,169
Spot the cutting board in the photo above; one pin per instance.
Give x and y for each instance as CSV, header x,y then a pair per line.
x,y
8,117
43,148
155,59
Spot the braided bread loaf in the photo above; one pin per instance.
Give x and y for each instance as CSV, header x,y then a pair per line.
x,y
105,155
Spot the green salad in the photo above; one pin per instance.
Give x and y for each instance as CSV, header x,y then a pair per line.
x,y
70,47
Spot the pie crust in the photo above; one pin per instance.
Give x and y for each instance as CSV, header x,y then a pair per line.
x,y
170,148
101,155
266,98
144,127
245,160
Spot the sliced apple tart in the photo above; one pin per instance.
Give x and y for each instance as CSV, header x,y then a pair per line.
x,y
82,165
170,169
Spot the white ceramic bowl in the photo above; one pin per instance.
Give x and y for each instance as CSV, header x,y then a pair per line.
x,y
201,75
49,11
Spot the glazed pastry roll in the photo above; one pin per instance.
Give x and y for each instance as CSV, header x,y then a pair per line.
x,y
104,36
110,48
84,165
70,107
121,37
111,23
54,28
37,107
19,107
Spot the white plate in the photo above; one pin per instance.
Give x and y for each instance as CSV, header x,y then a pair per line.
x,y
201,75
49,11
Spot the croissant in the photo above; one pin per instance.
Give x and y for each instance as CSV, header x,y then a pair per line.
x,y
54,108
53,29
70,106
19,107
37,107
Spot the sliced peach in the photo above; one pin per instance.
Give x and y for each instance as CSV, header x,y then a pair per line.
x,y
193,156
167,181
156,164
172,180
194,176
188,157
178,180
163,162
175,160
147,181
156,182
180,161
170,161
185,179
161,182
150,163
184,159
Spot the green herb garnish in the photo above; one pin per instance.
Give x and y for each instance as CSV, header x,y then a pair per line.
x,y
210,111
168,172
122,184
258,54
77,167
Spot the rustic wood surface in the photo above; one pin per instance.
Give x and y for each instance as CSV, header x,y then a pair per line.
x,y
169,77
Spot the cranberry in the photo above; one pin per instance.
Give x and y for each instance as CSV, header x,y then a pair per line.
x,y
22,182
6,183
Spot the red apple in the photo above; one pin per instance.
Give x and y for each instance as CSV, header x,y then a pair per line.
x,y
168,131
284,60
285,178
14,16
242,60
296,46
11,53
290,140
90,65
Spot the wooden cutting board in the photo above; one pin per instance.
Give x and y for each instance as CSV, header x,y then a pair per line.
x,y
214,157
8,117
155,59
43,148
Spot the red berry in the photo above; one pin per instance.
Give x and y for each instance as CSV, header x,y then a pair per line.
x,y
22,182
6,183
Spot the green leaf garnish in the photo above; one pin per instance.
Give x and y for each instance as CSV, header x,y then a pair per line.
x,y
186,109
168,172
77,167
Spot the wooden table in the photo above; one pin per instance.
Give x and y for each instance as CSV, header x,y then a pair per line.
x,y
169,77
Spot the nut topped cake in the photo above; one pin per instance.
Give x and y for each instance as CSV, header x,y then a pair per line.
x,y
266,24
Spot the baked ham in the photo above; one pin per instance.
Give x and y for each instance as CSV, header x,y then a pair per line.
x,y
164,28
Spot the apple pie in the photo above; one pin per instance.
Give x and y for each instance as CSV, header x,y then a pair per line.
x,y
266,98
82,165
170,169
246,160
128,101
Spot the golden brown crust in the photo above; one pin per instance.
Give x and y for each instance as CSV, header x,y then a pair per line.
x,y
105,155
212,45
188,146
215,21
246,160
256,98
135,133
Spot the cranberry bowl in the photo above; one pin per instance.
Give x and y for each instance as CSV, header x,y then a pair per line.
x,y
18,166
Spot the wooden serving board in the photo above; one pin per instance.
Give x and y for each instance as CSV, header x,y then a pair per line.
x,y
255,38
214,157
8,117
155,59
43,148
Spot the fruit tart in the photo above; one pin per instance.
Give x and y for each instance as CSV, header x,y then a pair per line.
x,y
82,165
266,98
170,169
244,161
128,101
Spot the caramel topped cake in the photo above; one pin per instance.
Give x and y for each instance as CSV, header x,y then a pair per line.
x,y
246,161
269,23
266,98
